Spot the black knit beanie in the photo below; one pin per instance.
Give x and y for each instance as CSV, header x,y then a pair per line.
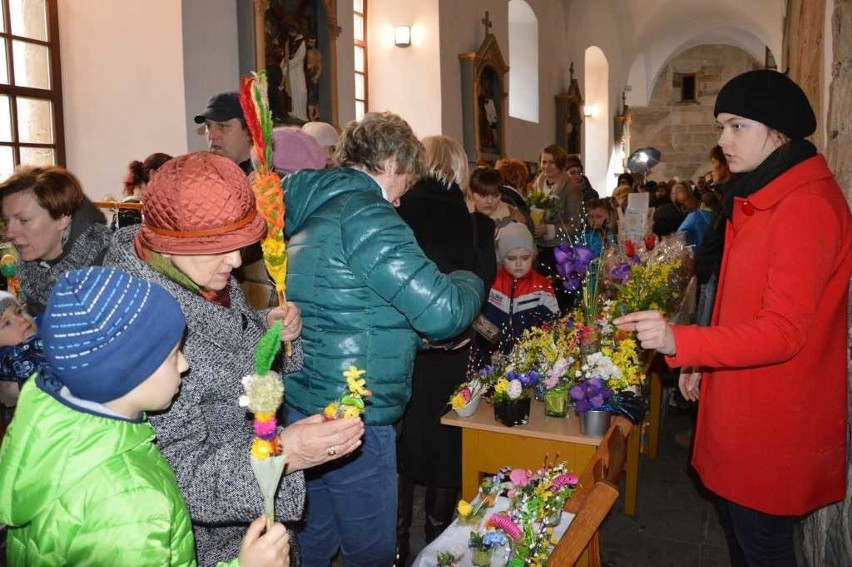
x,y
771,98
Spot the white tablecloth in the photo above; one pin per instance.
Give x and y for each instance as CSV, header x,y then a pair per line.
x,y
454,540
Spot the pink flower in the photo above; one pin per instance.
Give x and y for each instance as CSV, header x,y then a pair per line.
x,y
519,477
566,479
266,429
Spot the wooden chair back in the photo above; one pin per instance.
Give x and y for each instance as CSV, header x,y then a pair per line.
x,y
584,527
606,464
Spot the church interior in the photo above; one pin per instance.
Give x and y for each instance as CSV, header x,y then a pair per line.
x,y
604,79
150,67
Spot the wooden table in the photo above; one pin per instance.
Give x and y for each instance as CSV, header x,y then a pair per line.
x,y
488,445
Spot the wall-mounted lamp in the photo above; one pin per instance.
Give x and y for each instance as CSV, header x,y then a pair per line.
x,y
588,110
402,36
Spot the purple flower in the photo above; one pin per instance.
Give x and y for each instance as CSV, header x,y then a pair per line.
x,y
584,255
564,269
590,394
621,273
562,253
572,282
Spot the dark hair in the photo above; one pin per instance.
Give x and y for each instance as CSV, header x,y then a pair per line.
x,y
139,172
55,188
710,200
560,156
485,181
598,204
717,154
625,179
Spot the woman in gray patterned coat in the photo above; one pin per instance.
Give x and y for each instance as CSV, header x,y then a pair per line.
x,y
54,228
199,212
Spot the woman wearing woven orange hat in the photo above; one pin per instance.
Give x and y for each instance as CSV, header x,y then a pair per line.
x,y
199,212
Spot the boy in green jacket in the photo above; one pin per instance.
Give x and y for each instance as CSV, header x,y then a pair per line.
x,y
81,481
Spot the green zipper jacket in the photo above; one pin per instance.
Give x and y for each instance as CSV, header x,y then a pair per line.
x,y
84,489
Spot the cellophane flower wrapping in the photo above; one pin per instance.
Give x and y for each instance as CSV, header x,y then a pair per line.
x,y
647,275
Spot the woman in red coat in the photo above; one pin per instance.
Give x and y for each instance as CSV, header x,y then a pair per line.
x,y
772,424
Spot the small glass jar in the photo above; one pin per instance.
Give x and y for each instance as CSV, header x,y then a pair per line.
x,y
481,557
556,401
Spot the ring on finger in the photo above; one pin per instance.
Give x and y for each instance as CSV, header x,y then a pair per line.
x,y
331,451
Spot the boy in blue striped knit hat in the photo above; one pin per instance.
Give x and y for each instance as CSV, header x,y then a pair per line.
x,y
81,481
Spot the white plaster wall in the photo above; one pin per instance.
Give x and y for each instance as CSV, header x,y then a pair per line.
x,y
123,87
406,81
462,32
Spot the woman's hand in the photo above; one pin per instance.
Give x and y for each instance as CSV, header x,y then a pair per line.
x,y
689,383
291,316
313,441
652,330
271,549
540,229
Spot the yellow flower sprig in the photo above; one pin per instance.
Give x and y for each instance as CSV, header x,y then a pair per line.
x,y
351,403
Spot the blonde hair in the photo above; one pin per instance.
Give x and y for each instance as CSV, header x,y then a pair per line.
x,y
445,160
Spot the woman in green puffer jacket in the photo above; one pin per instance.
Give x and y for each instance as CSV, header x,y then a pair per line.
x,y
81,481
369,295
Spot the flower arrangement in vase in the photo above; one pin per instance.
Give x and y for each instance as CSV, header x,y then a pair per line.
x,y
471,513
538,498
483,544
550,351
465,400
609,379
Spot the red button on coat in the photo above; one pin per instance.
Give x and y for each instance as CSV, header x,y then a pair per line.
x,y
748,208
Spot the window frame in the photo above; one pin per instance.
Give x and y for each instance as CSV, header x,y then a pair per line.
x,y
53,94
363,45
688,77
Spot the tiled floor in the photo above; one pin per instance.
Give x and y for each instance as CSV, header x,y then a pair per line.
x,y
676,523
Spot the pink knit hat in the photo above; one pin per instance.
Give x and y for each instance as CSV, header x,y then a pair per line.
x,y
292,150
199,203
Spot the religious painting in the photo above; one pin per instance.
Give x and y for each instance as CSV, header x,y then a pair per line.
x,y
298,37
569,117
489,96
484,100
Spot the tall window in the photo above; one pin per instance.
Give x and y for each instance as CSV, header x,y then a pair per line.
x,y
523,61
30,86
359,27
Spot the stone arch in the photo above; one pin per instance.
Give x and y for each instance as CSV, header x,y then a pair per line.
x,y
650,62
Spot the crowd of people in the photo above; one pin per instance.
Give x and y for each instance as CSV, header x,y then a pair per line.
x,y
409,265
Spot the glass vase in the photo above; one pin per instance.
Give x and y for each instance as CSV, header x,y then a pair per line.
x,y
556,401
481,557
